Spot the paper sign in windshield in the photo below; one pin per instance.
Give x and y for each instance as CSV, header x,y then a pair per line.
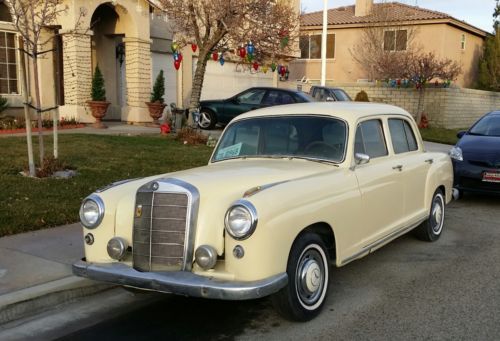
x,y
229,152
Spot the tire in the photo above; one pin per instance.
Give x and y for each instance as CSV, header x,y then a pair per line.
x,y
308,278
207,119
431,229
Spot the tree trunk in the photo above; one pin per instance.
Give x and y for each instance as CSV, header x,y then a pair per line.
x,y
27,118
421,102
199,76
38,106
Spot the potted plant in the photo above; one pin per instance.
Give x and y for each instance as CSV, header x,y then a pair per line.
x,y
156,105
98,105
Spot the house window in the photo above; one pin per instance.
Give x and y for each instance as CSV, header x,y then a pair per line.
x,y
462,42
310,46
395,40
8,63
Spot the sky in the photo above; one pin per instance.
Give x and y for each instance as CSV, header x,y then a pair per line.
x,y
475,12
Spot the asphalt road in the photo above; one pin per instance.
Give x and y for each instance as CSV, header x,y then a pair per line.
x,y
408,290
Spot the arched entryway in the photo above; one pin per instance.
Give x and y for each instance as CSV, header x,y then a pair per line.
x,y
116,36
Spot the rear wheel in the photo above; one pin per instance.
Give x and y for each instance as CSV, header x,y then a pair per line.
x,y
207,119
308,276
430,230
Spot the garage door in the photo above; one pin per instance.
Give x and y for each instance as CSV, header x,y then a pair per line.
x,y
230,79
164,61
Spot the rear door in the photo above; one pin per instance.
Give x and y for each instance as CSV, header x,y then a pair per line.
x,y
380,183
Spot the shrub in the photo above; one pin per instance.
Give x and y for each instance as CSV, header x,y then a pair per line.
x,y
158,89
4,104
361,96
98,90
191,136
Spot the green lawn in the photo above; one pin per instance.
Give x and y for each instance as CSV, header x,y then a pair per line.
x,y
30,204
440,135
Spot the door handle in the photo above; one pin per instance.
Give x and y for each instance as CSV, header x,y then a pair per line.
x,y
398,167
430,161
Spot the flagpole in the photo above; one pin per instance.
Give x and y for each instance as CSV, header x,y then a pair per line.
x,y
323,43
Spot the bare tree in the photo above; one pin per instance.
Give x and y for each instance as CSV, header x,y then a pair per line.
x,y
384,47
33,20
221,25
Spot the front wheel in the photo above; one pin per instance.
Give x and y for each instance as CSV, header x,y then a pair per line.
x,y
207,119
430,230
308,276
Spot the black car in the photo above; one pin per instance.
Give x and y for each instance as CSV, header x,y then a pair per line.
x,y
223,111
326,94
476,156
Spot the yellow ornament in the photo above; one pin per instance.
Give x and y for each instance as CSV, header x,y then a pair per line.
x,y
265,68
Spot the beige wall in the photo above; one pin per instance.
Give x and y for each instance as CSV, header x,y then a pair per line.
x,y
442,39
445,107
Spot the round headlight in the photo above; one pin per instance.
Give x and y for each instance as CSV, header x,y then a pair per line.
x,y
117,247
92,212
456,154
241,220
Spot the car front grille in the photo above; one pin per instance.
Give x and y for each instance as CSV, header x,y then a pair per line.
x,y
160,231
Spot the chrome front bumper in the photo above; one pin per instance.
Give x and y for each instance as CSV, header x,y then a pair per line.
x,y
180,282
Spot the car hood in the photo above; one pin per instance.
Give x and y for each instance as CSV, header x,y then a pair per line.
x,y
484,147
219,185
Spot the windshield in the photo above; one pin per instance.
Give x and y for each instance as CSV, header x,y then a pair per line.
x,y
487,126
310,137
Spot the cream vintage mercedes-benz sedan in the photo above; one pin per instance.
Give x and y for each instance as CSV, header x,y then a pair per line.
x,y
288,190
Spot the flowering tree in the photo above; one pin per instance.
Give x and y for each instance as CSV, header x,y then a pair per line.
x,y
221,25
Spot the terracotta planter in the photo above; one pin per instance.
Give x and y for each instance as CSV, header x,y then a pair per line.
x,y
156,111
98,109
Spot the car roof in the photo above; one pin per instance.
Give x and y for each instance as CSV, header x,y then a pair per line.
x,y
271,88
350,111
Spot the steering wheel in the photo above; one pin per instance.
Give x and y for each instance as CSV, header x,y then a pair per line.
x,y
322,148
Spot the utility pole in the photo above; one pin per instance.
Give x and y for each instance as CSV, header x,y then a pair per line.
x,y
323,43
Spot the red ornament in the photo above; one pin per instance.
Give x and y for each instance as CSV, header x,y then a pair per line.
x,y
243,52
283,71
164,129
194,47
215,56
180,57
255,66
177,64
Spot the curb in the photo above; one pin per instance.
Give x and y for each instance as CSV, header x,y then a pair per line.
x,y
31,301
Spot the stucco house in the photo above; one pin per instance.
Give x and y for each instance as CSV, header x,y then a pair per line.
x,y
130,40
433,31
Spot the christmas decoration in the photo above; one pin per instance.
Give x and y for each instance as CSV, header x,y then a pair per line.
x,y
177,64
242,52
174,46
265,68
215,56
273,66
222,60
194,47
250,48
255,66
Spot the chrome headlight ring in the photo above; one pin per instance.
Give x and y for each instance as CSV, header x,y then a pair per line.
x,y
241,219
92,211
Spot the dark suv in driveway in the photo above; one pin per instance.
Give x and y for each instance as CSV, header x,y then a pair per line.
x,y
326,94
223,111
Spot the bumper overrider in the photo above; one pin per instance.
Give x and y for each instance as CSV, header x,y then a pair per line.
x,y
180,282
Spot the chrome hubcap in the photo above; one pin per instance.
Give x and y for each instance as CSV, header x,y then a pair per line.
x,y
437,215
310,277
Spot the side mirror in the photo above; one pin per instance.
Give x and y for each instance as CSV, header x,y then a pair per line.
x,y
330,99
461,133
361,158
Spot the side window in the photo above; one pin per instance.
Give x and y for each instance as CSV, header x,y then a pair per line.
x,y
277,98
370,139
403,139
252,96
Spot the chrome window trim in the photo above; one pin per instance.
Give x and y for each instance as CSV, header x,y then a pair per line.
x,y
100,205
253,213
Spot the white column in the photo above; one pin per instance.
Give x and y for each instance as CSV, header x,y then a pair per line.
x,y
323,43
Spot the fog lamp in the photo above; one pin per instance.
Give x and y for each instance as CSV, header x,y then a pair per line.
x,y
206,257
117,247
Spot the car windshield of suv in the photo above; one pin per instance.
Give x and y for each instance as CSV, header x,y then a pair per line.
x,y
487,126
341,95
309,137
